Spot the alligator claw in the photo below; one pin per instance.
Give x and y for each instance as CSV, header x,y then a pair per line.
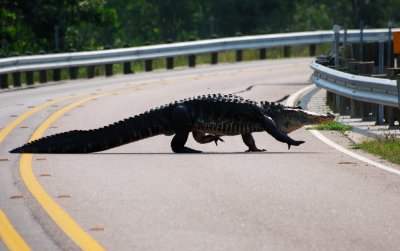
x,y
217,139
295,143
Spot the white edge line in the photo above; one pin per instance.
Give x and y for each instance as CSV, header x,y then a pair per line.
x,y
292,100
352,154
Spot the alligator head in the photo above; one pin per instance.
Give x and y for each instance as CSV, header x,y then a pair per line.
x,y
291,118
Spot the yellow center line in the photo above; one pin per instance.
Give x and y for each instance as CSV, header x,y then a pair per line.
x,y
20,119
56,212
10,236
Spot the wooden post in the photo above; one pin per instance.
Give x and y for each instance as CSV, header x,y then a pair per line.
x,y
4,81
56,74
263,53
16,79
29,78
90,71
214,58
192,60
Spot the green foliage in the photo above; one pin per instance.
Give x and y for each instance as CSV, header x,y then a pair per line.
x,y
387,147
332,126
30,26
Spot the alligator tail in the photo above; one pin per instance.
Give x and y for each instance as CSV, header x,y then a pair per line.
x,y
123,132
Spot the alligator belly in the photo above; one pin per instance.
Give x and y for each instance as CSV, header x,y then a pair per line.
x,y
227,128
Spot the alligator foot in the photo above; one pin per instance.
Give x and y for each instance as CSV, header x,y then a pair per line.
x,y
216,139
185,150
255,150
295,143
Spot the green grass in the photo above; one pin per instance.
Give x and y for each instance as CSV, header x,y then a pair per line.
x,y
387,148
332,126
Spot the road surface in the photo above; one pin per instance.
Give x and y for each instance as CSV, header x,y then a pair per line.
x,y
141,196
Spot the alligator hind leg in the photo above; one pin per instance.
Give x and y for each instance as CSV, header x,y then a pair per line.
x,y
180,118
249,141
202,138
178,143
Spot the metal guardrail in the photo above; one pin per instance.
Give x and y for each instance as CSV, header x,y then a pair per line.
x,y
360,88
113,56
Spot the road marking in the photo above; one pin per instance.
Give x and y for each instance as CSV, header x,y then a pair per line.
x,y
352,154
62,219
20,119
10,236
56,212
293,99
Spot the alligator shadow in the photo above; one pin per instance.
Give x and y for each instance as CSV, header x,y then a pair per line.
x,y
203,153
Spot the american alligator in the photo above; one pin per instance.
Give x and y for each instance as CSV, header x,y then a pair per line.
x,y
208,117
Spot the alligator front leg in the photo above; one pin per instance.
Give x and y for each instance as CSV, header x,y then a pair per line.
x,y
249,141
202,138
270,126
181,123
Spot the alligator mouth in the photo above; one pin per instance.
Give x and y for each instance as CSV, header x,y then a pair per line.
x,y
312,118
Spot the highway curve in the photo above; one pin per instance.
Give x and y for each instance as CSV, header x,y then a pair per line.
x,y
141,196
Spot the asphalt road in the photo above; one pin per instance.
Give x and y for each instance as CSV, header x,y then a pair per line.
x,y
141,196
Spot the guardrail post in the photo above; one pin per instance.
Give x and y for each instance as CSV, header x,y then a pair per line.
x,y
4,81
192,60
42,76
286,51
16,79
354,108
108,70
56,74
337,103
263,53
90,71
127,68
148,65
312,49
379,114
392,116
29,78
365,110
170,60
73,72
344,105
239,55
170,63
330,99
214,58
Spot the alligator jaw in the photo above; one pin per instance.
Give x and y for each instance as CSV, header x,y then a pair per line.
x,y
290,120
312,118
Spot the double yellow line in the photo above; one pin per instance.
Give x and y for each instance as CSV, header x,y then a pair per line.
x,y
11,238
57,213
8,234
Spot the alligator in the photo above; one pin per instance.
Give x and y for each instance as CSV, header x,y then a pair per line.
x,y
208,117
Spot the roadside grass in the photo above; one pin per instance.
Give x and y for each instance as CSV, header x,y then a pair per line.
x,y
331,126
387,147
